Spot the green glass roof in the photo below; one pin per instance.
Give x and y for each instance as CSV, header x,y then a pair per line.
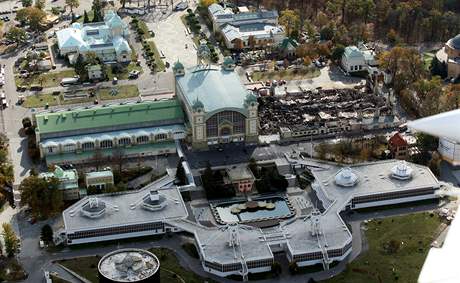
x,y
109,116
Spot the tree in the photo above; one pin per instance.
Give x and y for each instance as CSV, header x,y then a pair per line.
x,y
180,173
337,52
42,196
72,4
404,66
32,16
26,122
293,267
429,93
290,20
26,3
85,17
326,33
10,239
40,4
47,233
17,35
80,68
276,268
97,9
207,3
438,68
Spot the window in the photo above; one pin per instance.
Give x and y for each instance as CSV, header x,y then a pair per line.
x,y
124,141
106,144
142,139
70,147
87,146
52,149
237,120
161,137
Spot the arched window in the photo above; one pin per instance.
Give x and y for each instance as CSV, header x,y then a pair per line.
x,y
87,146
106,144
161,137
69,147
142,139
124,141
236,119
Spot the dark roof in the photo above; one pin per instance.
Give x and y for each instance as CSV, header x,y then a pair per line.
x,y
455,42
397,140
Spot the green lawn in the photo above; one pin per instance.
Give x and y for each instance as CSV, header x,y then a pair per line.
x,y
124,91
158,61
145,29
125,73
413,234
286,75
40,100
50,79
170,270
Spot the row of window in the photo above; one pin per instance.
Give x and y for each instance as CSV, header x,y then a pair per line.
x,y
319,255
89,146
237,265
236,121
392,195
320,132
116,230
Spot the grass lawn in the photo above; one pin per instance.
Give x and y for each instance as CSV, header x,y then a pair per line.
x,y
50,79
58,280
124,91
125,73
158,61
412,234
145,29
170,270
40,100
285,74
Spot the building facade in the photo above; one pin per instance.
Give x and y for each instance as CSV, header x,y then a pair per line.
x,y
68,182
246,29
218,108
126,130
100,179
358,59
108,40
398,146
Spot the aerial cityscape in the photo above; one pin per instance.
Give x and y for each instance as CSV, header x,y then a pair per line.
x,y
229,141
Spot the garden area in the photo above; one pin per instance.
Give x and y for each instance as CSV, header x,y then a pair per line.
x,y
48,79
151,52
398,247
82,96
11,270
170,269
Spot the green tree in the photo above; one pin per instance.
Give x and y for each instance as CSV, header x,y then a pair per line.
x,y
290,20
16,34
438,68
46,233
42,196
429,93
97,9
85,17
32,16
26,3
72,4
10,239
26,122
180,173
337,52
207,3
40,4
80,68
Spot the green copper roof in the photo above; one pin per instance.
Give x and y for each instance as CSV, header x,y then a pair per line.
x,y
216,89
109,116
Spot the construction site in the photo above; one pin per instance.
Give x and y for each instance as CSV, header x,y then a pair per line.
x,y
324,113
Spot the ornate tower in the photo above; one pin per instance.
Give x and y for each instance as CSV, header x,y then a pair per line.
x,y
199,124
252,127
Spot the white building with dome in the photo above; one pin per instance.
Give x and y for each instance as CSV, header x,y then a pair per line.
x,y
452,49
108,39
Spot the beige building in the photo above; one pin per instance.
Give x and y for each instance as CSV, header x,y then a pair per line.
x,y
218,107
241,178
452,49
100,179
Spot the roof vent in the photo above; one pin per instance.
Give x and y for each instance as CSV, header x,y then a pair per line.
x,y
153,201
93,208
346,177
401,171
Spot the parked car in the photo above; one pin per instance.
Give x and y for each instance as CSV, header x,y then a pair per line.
x,y
134,74
115,80
36,87
181,6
